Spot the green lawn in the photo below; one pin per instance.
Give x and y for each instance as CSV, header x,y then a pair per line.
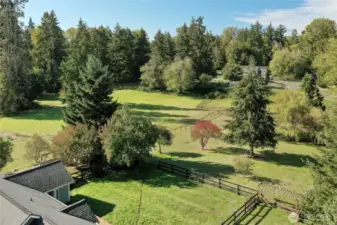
x,y
285,167
166,199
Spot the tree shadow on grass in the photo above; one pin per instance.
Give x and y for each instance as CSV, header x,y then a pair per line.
x,y
99,207
143,106
287,159
185,154
264,179
230,151
155,114
209,168
187,121
149,175
42,113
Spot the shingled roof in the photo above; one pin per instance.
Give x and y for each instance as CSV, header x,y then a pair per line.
x,y
81,210
19,204
43,178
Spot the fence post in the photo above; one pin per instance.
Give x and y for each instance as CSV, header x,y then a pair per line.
x,y
245,208
203,177
238,189
219,182
235,221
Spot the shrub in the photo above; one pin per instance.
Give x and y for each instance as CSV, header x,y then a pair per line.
x,y
128,139
36,147
6,149
78,145
232,71
164,137
203,131
296,119
243,165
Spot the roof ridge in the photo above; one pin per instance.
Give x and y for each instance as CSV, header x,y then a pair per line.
x,y
32,169
74,205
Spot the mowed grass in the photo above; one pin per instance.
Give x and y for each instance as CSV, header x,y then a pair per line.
x,y
166,199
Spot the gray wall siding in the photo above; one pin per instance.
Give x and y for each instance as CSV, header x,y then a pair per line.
x,y
63,194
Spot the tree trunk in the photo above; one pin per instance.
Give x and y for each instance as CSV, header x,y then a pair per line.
x,y
159,148
251,151
202,143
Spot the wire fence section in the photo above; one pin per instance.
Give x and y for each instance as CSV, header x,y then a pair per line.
x,y
205,179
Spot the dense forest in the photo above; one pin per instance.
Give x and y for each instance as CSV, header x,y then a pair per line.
x,y
48,59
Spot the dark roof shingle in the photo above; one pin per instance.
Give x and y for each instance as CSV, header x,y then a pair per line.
x,y
43,178
81,210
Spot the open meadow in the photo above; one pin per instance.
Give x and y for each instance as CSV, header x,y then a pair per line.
x,y
167,198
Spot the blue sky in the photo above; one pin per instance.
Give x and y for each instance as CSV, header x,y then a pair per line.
x,y
169,14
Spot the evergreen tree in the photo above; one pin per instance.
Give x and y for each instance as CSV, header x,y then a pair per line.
x,y
141,51
50,50
100,38
219,54
169,46
320,205
255,40
14,61
183,47
279,35
312,93
251,122
87,99
201,48
121,54
78,51
160,57
294,37
268,36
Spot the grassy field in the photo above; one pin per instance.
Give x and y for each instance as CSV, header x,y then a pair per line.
x,y
286,166
166,199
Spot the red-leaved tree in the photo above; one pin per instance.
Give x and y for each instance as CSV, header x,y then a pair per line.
x,y
205,130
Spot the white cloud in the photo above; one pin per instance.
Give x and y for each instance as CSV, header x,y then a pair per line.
x,y
295,18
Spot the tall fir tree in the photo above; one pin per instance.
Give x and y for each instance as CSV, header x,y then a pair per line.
x,y
182,40
251,123
255,40
279,35
170,47
88,101
160,57
78,50
50,50
141,51
121,54
312,93
320,206
294,37
269,39
100,38
201,47
14,61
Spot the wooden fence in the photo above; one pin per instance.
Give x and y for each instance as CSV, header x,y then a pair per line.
x,y
243,211
206,179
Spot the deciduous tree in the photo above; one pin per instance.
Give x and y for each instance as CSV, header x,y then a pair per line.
x,y
128,139
36,147
203,131
164,137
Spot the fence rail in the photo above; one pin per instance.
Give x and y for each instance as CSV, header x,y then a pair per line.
x,y
206,179
244,210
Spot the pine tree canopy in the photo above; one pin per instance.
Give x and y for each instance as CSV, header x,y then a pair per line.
x,y
251,122
88,100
